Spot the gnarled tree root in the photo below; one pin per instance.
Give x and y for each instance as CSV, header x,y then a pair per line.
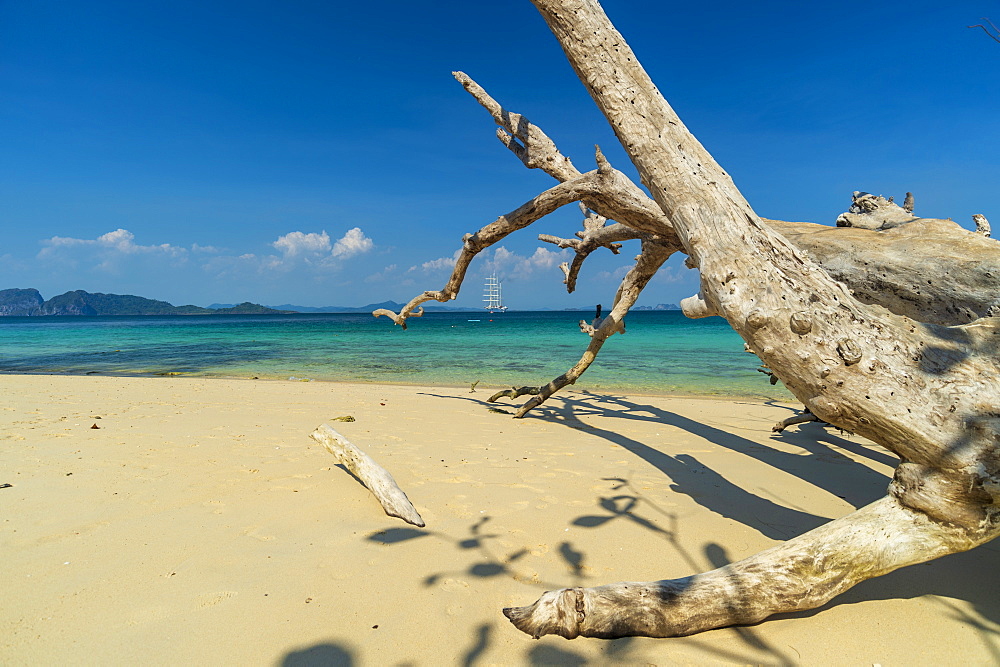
x,y
802,573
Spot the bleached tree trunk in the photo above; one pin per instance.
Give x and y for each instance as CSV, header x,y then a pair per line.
x,y
929,393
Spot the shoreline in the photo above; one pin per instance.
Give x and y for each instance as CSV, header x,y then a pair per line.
x,y
200,523
662,354
481,387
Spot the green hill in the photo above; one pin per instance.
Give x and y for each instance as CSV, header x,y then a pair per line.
x,y
78,302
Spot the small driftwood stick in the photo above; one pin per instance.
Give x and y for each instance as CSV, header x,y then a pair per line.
x,y
800,418
372,475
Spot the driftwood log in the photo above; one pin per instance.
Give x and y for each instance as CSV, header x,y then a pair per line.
x,y
886,326
376,478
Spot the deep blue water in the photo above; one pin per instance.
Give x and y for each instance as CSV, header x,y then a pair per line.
x,y
662,351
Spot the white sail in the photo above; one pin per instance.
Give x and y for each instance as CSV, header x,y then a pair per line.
x,y
493,295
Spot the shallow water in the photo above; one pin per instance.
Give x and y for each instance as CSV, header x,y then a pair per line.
x,y
662,352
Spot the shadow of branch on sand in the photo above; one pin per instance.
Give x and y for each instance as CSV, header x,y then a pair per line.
x,y
970,576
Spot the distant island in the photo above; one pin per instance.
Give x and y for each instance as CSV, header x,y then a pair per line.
x,y
659,306
391,305
395,306
29,302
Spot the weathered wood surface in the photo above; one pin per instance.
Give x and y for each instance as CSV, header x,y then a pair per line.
x,y
376,478
930,270
929,393
886,326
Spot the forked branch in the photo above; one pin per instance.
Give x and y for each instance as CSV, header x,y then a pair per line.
x,y
926,392
596,234
992,31
654,254
609,189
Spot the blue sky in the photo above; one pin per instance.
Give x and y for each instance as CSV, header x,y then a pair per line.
x,y
320,153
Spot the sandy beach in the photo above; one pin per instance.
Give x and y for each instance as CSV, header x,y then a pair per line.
x,y
199,524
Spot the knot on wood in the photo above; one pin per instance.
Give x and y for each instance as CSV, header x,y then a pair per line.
x,y
756,318
581,609
800,323
824,408
951,496
848,351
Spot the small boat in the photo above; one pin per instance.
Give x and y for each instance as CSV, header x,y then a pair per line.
x,y
494,295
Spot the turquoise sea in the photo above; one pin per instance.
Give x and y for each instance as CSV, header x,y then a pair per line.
x,y
662,352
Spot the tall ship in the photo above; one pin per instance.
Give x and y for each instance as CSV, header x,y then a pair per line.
x,y
493,295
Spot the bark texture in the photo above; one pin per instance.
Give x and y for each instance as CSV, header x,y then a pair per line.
x,y
927,269
925,391
885,326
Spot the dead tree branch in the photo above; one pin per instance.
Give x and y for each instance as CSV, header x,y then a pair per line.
x,y
649,261
982,224
927,392
994,35
609,191
512,393
801,418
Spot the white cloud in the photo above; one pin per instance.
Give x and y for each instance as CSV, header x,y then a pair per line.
x,y
354,242
513,265
314,250
439,264
547,259
119,241
112,254
677,274
119,260
295,244
667,274
314,246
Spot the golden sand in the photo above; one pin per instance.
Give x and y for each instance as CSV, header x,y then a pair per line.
x,y
199,524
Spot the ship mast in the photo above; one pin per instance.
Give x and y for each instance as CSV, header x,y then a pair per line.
x,y
494,295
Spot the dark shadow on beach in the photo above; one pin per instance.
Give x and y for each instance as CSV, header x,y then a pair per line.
x,y
858,484
971,576
813,432
824,466
623,506
320,655
690,476
486,563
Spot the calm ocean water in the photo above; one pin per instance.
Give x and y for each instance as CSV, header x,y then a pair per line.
x,y
662,353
